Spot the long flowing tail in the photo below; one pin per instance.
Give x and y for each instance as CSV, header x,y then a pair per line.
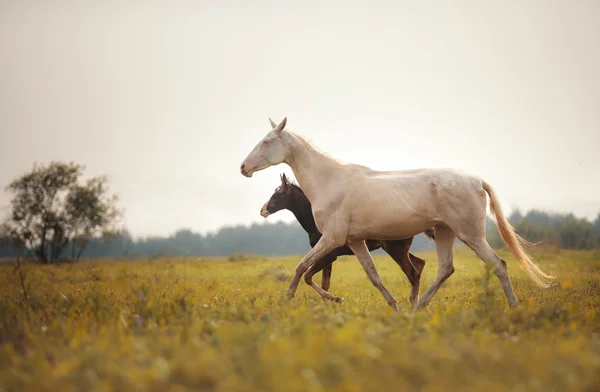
x,y
513,241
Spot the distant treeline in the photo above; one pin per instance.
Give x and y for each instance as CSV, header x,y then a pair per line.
x,y
564,231
278,239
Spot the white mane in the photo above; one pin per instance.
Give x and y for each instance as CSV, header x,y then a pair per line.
x,y
310,143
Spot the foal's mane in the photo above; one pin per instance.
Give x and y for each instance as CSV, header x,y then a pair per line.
x,y
293,184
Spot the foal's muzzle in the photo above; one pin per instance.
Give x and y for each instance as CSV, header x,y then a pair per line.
x,y
264,212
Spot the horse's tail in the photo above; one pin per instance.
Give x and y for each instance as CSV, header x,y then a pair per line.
x,y
512,240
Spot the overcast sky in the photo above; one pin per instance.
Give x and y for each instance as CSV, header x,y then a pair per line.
x,y
167,98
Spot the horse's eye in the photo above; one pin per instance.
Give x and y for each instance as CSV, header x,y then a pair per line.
x,y
265,141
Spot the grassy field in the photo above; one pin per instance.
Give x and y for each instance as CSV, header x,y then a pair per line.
x,y
219,325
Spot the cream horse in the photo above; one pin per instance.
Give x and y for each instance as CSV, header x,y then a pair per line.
x,y
407,202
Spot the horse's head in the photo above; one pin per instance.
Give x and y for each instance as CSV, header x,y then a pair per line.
x,y
280,199
268,152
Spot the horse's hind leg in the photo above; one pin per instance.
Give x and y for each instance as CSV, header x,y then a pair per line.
x,y
364,257
411,265
481,247
444,241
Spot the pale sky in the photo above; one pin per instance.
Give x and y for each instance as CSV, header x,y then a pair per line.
x,y
167,98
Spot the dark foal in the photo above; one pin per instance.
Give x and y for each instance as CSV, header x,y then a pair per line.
x,y
289,196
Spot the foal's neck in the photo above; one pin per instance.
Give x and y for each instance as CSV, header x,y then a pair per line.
x,y
311,168
301,208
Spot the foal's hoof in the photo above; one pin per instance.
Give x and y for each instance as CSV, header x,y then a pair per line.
x,y
394,306
289,294
332,298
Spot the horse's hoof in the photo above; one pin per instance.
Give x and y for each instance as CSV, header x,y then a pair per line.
x,y
289,294
338,300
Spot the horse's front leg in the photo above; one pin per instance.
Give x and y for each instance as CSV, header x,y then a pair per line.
x,y
324,264
364,257
325,245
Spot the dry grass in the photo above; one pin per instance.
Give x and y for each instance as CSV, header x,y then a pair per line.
x,y
213,325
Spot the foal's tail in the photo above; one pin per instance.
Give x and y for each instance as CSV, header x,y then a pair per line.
x,y
429,233
512,239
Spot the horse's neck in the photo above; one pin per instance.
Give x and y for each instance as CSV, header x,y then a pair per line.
x,y
300,207
310,167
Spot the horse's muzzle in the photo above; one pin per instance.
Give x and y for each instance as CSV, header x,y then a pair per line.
x,y
245,173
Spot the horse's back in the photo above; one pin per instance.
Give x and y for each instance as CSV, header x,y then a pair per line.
x,y
432,174
418,182
406,202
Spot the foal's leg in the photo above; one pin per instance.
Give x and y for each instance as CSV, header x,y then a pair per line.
x,y
318,266
444,241
415,277
364,257
481,247
325,245
411,265
326,277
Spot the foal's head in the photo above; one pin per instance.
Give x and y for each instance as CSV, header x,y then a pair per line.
x,y
270,151
280,199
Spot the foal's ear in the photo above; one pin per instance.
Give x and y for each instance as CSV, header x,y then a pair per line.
x,y
280,127
284,179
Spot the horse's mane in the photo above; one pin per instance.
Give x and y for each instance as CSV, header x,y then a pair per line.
x,y
309,143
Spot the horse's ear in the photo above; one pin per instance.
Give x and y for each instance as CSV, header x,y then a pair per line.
x,y
284,179
280,127
273,125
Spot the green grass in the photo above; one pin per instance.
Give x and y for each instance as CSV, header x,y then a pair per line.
x,y
219,325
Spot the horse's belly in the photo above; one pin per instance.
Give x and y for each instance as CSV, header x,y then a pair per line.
x,y
388,226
